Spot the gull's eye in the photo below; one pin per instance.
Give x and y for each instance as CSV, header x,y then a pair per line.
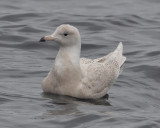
x,y
65,34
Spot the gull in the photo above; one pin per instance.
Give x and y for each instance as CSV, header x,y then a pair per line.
x,y
80,77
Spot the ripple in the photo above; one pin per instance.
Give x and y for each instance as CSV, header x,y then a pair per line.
x,y
153,53
88,25
92,46
154,1
30,45
19,17
152,72
27,29
79,120
4,100
129,21
13,26
15,73
12,38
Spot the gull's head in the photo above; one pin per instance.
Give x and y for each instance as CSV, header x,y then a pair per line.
x,y
64,35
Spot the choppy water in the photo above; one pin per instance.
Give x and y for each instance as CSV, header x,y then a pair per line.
x,y
134,100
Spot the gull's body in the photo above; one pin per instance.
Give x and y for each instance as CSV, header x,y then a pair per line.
x,y
80,77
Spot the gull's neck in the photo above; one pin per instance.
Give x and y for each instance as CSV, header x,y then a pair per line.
x,y
69,54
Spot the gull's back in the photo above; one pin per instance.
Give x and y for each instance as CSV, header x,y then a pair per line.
x,y
100,74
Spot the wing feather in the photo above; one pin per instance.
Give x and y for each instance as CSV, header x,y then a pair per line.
x,y
99,78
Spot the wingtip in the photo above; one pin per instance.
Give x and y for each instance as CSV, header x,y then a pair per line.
x,y
120,46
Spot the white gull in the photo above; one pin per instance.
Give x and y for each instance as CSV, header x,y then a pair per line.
x,y
80,77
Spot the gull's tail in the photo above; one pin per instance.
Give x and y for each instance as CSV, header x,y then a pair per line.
x,y
118,54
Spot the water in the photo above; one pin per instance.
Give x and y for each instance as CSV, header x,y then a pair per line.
x,y
134,100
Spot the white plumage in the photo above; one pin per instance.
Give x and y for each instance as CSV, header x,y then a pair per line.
x,y
80,77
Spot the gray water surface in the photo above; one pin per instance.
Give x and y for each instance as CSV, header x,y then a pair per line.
x,y
134,99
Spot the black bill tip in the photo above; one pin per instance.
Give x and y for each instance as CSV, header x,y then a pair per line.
x,y
42,39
